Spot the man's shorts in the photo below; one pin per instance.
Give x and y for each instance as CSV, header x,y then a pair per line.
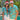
x,y
12,19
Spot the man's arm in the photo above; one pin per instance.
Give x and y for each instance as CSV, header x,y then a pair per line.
x,y
17,13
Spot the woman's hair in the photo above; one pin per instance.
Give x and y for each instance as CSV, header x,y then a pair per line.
x,y
7,6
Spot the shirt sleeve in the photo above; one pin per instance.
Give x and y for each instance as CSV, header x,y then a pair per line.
x,y
2,9
16,7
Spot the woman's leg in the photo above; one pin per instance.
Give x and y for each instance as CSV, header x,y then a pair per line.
x,y
8,17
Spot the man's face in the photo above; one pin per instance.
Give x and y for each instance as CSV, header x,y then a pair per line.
x,y
11,4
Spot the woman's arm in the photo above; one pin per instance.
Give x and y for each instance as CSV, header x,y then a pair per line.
x,y
2,13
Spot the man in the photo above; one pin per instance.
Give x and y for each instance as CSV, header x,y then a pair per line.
x,y
13,11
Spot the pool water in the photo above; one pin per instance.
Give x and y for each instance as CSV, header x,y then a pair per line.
x,y
0,17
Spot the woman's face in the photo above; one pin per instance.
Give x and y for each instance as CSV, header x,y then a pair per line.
x,y
6,5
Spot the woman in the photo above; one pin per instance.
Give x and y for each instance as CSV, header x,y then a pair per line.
x,y
5,10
